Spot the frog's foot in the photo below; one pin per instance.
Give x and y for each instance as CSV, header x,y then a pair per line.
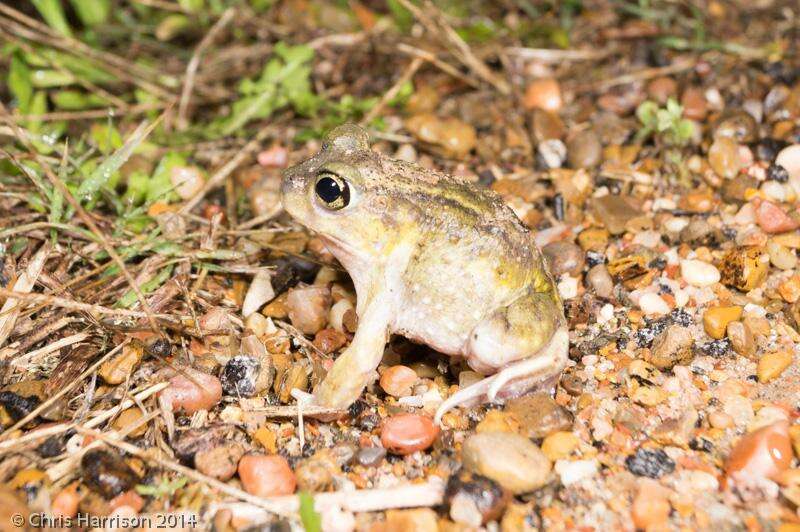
x,y
542,366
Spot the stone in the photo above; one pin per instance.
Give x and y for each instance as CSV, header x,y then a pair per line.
x,y
744,268
511,460
546,125
186,181
789,158
600,281
371,456
695,106
781,256
564,257
593,239
741,338
661,89
413,520
614,212
266,476
202,392
650,507
398,381
790,289
716,320
763,453
653,304
772,219
539,415
408,433
723,156
560,445
308,307
699,273
584,150
128,419
106,473
738,125
220,461
672,347
543,94
771,365
117,369
474,499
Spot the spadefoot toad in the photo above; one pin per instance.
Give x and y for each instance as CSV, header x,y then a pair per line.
x,y
433,258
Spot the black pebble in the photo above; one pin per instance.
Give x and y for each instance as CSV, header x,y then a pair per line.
x,y
649,463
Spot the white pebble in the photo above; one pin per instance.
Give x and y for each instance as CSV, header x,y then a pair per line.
x,y
653,304
675,225
664,204
575,471
789,158
774,191
568,287
649,239
751,309
681,298
605,313
699,273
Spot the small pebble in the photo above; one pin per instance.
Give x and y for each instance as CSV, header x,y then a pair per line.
x,y
116,369
564,257
699,273
474,499
559,445
771,365
763,453
220,461
308,307
653,304
584,150
543,94
407,433
398,381
650,508
266,476
106,473
275,157
716,320
371,456
600,281
789,159
187,180
539,415
185,395
741,338
511,460
723,156
772,219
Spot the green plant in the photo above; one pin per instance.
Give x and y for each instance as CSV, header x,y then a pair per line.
x,y
165,488
311,519
666,123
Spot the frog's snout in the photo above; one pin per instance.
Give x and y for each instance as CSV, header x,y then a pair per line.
x,y
291,191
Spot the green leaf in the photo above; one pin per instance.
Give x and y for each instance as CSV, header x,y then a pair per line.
x,y
72,100
160,187
106,170
45,78
92,12
19,83
646,113
674,108
53,14
402,16
129,298
312,520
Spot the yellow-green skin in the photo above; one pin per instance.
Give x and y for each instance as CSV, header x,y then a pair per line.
x,y
435,259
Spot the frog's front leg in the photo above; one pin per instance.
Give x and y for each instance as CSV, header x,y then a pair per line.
x,y
355,367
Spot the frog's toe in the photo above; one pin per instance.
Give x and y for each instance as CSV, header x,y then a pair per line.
x,y
462,397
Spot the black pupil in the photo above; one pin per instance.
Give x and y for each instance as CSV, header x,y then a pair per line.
x,y
329,190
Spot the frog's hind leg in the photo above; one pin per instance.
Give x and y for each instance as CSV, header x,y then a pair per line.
x,y
526,343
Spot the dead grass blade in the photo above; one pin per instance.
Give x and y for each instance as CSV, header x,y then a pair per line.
x,y
13,305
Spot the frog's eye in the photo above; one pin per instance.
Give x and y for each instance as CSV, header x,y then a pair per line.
x,y
332,190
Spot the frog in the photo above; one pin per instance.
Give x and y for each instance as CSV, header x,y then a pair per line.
x,y
435,258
